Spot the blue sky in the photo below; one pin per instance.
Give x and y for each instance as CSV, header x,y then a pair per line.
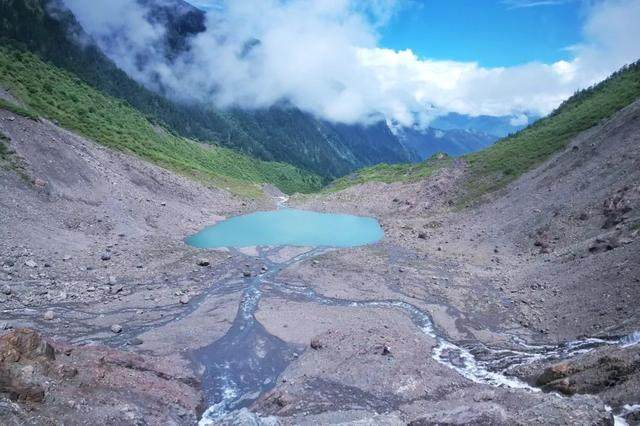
x,y
490,32
493,33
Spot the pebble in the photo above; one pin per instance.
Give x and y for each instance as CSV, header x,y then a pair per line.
x,y
112,280
105,256
116,328
246,274
31,264
203,262
6,290
185,299
49,315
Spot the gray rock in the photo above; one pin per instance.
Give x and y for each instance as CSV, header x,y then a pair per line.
x,y
116,328
203,262
116,289
112,280
6,289
30,263
105,256
316,343
49,315
185,299
246,274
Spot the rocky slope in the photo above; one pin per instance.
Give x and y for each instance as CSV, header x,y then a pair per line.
x,y
449,319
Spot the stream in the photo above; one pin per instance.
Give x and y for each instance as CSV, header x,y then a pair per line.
x,y
246,362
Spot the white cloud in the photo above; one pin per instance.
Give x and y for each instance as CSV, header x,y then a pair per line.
x,y
323,57
519,120
517,4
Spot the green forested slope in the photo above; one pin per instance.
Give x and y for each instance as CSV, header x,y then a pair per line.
x,y
276,134
496,166
61,96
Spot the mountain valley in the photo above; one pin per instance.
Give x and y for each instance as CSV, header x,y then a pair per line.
x,y
504,290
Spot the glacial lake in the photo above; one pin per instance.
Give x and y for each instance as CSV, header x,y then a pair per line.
x,y
289,227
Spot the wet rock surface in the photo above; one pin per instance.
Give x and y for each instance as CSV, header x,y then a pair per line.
x,y
611,373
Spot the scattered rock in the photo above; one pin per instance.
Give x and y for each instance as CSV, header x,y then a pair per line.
x,y
246,274
116,289
116,328
39,183
105,256
422,235
112,280
30,263
203,262
49,315
316,343
386,350
6,290
616,207
185,300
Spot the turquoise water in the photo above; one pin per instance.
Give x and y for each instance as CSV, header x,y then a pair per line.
x,y
289,227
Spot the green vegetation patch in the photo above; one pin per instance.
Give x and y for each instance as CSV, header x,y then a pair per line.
x,y
389,173
4,150
503,162
62,97
17,109
9,160
496,166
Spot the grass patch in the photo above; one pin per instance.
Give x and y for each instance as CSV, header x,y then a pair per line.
x,y
4,150
496,166
61,96
17,109
389,173
9,160
503,162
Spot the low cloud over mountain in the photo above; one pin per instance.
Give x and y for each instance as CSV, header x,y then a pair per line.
x,y
324,57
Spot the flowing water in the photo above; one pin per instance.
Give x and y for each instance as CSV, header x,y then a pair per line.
x,y
246,362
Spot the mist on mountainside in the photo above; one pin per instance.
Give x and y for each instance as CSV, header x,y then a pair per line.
x,y
325,58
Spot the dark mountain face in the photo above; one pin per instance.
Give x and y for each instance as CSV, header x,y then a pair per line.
x,y
452,142
496,126
279,133
179,18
